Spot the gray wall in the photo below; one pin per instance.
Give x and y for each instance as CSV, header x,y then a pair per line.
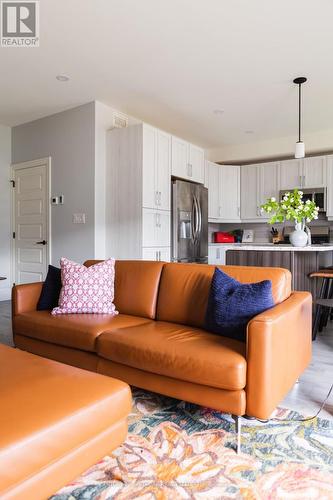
x,y
5,187
69,138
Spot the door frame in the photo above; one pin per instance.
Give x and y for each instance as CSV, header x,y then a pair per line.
x,y
19,166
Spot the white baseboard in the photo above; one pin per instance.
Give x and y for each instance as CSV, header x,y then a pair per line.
x,y
5,293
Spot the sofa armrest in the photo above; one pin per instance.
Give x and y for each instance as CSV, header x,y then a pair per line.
x,y
279,344
25,297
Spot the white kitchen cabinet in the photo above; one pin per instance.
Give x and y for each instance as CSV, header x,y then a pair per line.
x,y
138,183
250,192
303,173
213,185
314,172
291,172
216,255
179,162
329,177
188,161
149,187
156,168
268,185
229,186
196,163
258,183
223,192
155,228
156,253
163,167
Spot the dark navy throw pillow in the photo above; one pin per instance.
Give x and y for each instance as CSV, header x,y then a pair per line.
x,y
49,296
232,304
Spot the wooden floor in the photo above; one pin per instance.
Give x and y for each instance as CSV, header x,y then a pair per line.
x,y
305,397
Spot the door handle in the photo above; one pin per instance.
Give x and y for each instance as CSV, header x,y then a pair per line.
x,y
41,242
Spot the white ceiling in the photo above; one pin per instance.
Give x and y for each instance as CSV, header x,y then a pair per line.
x,y
172,62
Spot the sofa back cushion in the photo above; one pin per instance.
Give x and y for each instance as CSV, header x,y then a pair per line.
x,y
136,286
184,289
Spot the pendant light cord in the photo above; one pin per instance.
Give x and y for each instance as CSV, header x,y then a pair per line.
x,y
299,111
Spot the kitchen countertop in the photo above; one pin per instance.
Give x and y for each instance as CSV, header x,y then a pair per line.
x,y
327,247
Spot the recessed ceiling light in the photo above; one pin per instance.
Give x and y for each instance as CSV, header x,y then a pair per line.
x,y
249,132
218,111
62,78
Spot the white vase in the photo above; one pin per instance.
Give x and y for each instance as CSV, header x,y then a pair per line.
x,y
298,238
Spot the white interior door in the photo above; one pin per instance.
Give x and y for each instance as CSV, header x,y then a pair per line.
x,y
30,223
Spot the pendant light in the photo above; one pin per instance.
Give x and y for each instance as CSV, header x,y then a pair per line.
x,y
300,149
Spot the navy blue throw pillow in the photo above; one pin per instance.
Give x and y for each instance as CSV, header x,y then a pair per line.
x,y
232,304
49,296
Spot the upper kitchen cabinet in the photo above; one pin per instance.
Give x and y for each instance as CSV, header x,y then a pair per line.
x,y
250,194
188,161
305,173
314,172
268,184
212,182
258,182
156,168
291,174
329,199
230,192
223,192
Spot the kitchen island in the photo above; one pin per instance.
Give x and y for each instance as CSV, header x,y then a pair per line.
x,y
300,261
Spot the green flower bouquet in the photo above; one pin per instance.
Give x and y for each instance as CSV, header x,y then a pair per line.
x,y
292,207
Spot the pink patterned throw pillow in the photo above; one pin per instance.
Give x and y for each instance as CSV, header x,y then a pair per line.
x,y
86,289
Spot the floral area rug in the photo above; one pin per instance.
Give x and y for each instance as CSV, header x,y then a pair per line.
x,y
176,450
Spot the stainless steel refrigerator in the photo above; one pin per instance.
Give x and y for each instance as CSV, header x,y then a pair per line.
x,y
189,222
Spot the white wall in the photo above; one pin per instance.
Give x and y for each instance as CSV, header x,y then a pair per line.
x,y
319,142
5,229
69,138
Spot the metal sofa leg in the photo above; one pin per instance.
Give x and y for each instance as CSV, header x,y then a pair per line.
x,y
238,428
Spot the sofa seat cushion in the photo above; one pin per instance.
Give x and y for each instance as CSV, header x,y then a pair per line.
x,y
177,351
72,330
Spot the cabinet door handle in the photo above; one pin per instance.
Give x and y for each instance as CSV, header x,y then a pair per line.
x,y
191,169
160,198
238,211
300,180
220,212
156,197
156,255
303,181
159,255
217,253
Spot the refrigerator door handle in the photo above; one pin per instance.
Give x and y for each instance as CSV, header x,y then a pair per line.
x,y
199,219
193,217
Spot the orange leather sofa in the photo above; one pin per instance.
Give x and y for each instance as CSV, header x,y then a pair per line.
x,y
56,421
158,341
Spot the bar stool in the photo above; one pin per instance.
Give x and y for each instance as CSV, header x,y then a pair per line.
x,y
324,303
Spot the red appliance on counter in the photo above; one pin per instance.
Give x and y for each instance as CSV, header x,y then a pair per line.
x,y
222,237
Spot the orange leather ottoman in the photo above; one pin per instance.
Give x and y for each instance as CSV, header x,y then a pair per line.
x,y
55,422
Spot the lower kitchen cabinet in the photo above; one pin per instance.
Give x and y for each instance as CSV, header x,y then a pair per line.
x,y
216,255
155,228
158,254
